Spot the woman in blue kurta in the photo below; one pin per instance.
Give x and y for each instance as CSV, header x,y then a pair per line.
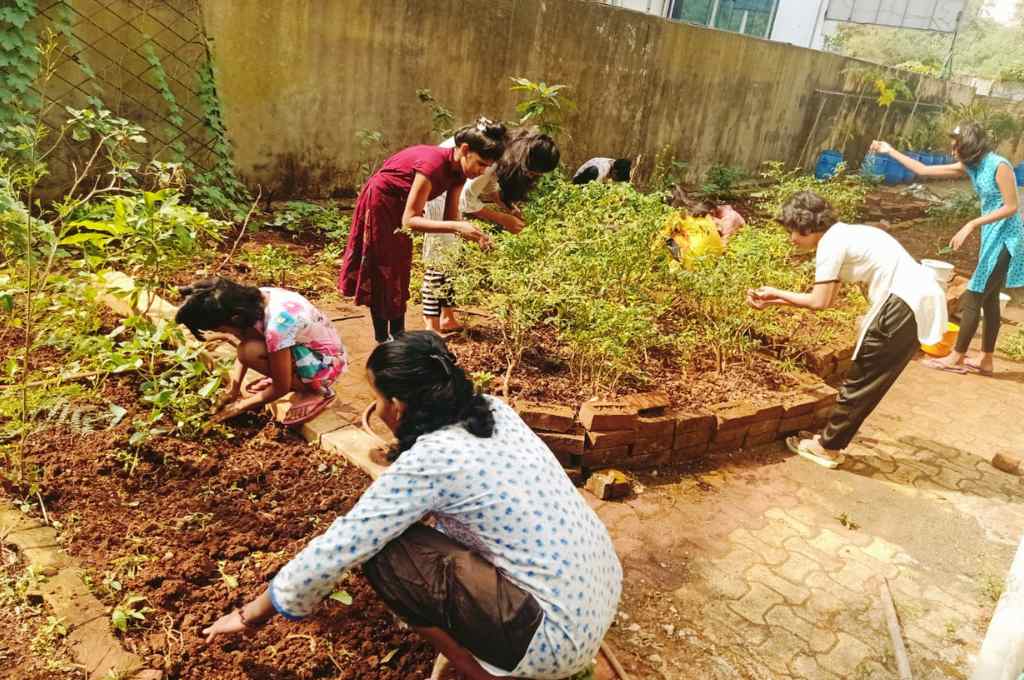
x,y
1001,259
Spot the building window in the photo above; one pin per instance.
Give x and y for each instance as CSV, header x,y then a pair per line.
x,y
750,17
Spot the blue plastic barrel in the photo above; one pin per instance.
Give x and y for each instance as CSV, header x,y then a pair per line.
x,y
1018,172
828,163
873,167
893,170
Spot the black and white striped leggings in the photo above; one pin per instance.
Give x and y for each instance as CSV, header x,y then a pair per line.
x,y
436,292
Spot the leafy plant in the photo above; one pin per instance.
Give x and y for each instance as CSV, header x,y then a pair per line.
x,y
668,170
373,147
271,263
845,192
1013,346
300,217
543,105
129,613
961,205
230,581
442,120
720,181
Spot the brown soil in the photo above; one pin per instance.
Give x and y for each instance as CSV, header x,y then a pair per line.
x,y
544,375
930,239
195,509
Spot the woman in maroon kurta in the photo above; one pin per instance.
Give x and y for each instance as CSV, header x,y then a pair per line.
x,y
378,257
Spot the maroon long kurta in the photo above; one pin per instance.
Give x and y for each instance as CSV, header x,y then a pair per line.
x,y
378,256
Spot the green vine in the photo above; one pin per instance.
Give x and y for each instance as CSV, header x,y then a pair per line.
x,y
19,62
64,22
219,188
176,121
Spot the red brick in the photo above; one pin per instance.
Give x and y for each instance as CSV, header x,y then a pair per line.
x,y
607,415
606,440
731,415
689,453
844,353
609,484
759,439
649,460
649,445
801,422
799,403
693,438
733,435
825,393
576,475
549,417
843,366
821,415
598,458
726,445
646,403
562,443
650,427
687,421
763,427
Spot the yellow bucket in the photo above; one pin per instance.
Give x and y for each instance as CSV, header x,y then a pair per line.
x,y
945,346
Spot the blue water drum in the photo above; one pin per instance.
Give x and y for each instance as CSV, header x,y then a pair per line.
x,y
893,170
828,163
1018,172
873,167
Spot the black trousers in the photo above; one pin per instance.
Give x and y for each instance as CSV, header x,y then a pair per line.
x,y
386,329
987,300
889,345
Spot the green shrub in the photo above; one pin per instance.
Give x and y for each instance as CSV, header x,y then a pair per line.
x,y
845,192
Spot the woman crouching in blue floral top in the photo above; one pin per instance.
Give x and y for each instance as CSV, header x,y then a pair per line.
x,y
517,577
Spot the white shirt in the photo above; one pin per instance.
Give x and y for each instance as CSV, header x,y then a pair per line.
x,y
857,253
507,498
439,248
603,165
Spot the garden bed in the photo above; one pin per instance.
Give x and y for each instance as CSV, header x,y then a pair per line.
x,y
198,527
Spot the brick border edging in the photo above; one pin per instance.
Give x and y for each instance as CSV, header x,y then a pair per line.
x,y
640,431
89,637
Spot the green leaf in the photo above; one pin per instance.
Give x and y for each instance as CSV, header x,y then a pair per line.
x,y
119,619
118,414
85,237
342,596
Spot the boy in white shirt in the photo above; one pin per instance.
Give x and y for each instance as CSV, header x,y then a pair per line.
x,y
908,308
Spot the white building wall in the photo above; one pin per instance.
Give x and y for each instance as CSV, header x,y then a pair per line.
x,y
800,22
659,7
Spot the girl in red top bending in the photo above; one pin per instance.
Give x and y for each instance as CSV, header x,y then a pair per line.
x,y
378,257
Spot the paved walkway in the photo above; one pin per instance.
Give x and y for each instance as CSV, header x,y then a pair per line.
x,y
767,566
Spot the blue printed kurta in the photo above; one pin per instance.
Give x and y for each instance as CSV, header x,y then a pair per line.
x,y
1007,233
507,498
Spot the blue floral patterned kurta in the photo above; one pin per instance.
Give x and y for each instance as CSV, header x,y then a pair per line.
x,y
507,498
1007,233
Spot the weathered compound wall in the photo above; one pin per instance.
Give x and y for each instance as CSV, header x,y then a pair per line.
x,y
299,78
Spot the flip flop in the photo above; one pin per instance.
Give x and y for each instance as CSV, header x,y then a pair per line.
x,y
937,365
305,412
977,370
257,386
793,443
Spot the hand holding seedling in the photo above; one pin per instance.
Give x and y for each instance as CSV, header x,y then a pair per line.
x,y
759,298
471,232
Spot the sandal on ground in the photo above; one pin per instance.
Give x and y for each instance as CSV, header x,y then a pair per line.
x,y
257,386
795,445
976,369
942,366
306,411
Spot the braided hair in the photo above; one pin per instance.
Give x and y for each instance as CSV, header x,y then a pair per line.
x,y
418,370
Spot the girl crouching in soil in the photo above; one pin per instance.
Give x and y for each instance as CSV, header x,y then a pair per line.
x,y
517,577
908,308
281,335
377,264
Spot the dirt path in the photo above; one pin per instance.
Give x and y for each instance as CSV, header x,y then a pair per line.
x,y
769,567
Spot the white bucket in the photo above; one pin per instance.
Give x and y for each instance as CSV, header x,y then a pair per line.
x,y
942,271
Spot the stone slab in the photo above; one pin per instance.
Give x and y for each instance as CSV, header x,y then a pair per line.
x,y
355,446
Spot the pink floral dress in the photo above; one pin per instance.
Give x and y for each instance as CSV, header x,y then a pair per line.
x,y
290,321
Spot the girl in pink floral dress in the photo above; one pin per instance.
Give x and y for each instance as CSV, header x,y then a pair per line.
x,y
281,335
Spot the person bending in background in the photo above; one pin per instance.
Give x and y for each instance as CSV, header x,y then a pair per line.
x,y
603,170
1001,258
908,308
377,264
528,155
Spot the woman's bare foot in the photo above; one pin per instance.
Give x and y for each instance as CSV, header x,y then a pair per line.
x,y
983,364
449,322
433,323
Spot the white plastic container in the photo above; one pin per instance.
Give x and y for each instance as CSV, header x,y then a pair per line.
x,y
942,271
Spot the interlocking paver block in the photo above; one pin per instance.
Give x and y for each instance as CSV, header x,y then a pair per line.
x,y
756,603
846,656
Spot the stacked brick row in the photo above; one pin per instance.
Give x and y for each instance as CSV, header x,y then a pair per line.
x,y
641,431
829,363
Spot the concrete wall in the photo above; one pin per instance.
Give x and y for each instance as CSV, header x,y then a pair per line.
x,y
299,78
